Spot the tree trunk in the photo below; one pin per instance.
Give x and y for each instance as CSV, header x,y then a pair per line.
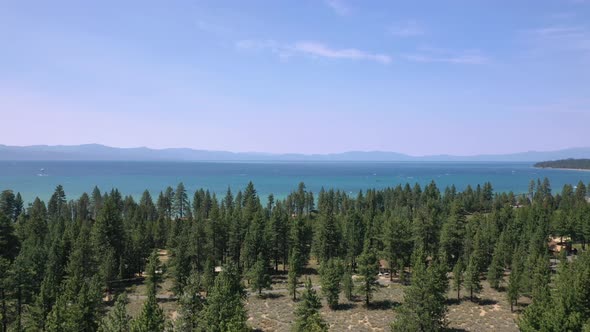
x,y
459,293
511,306
4,318
19,308
471,294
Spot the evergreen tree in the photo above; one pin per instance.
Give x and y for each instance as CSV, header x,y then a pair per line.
x,y
328,235
397,239
208,278
424,306
514,281
534,316
330,276
348,284
472,277
308,314
495,273
294,270
181,203
151,318
224,308
259,276
458,278
118,319
190,306
368,269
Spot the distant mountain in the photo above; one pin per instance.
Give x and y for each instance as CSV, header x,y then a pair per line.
x,y
101,152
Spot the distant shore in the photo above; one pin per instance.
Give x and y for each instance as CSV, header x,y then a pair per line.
x,y
565,168
566,164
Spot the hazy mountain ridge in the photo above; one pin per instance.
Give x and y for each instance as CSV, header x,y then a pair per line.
x,y
102,152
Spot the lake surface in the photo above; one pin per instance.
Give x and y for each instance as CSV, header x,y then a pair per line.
x,y
279,178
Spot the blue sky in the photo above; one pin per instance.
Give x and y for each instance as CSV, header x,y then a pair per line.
x,y
310,76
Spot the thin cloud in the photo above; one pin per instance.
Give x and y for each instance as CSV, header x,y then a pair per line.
x,y
312,49
560,38
408,28
339,7
433,55
321,50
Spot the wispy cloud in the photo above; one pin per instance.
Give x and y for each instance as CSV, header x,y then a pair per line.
x,y
339,7
570,107
560,38
409,28
312,49
430,55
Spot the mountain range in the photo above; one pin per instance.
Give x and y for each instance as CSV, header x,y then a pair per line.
x,y
88,152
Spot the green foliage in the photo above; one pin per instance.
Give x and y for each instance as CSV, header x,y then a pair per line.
x,y
259,275
397,239
532,319
368,269
118,319
224,308
348,284
190,305
458,277
294,271
424,305
151,318
472,277
308,312
57,261
330,276
495,273
515,280
565,163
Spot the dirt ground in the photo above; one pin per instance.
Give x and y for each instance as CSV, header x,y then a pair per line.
x,y
491,312
275,310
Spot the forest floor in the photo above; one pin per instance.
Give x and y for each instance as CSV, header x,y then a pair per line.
x,y
274,310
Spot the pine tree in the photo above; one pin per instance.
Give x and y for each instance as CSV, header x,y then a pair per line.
x,y
458,278
151,318
328,236
259,276
514,282
368,269
348,284
224,308
118,319
190,305
472,280
534,316
181,203
294,270
308,314
330,276
208,278
495,273
424,307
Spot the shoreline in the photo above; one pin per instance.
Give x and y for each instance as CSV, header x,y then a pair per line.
x,y
565,168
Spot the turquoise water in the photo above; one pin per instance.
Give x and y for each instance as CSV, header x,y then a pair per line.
x,y
279,178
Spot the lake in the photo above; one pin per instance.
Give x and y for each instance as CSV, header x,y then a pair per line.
x,y
39,178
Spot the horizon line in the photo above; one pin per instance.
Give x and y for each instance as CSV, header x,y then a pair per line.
x,y
297,153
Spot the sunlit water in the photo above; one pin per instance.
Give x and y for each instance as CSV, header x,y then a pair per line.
x,y
39,178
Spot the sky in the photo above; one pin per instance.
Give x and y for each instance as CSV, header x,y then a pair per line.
x,y
307,76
